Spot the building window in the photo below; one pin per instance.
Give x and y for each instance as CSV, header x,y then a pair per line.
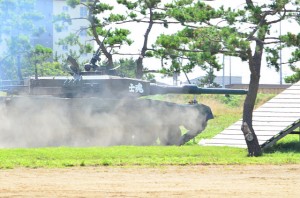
x,y
65,28
83,12
65,47
83,32
65,8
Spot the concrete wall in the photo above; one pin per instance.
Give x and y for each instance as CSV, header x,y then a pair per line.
x,y
263,88
219,80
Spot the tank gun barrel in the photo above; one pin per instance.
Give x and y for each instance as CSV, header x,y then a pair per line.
x,y
193,89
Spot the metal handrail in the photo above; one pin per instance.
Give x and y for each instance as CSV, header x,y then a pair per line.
x,y
6,84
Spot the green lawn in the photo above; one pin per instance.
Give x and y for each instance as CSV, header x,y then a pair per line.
x,y
142,156
286,151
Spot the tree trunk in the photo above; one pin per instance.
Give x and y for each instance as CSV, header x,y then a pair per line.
x,y
35,71
19,71
254,148
139,62
139,68
250,136
108,55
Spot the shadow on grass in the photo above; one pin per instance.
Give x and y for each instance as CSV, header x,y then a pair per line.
x,y
285,147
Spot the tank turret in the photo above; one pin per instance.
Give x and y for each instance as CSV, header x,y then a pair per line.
x,y
107,86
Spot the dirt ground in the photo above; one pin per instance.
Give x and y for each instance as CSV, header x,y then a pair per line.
x,y
166,181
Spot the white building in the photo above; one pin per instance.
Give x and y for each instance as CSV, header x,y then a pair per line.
x,y
79,27
50,37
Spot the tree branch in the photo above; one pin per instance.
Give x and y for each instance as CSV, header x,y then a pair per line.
x,y
280,19
142,21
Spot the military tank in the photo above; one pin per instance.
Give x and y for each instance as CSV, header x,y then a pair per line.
x,y
96,107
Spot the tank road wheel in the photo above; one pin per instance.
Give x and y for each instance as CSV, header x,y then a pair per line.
x,y
171,136
191,134
127,137
139,135
144,137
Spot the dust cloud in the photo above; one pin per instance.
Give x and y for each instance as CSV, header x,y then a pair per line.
x,y
80,122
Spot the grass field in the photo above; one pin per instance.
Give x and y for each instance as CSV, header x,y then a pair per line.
x,y
226,112
143,156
